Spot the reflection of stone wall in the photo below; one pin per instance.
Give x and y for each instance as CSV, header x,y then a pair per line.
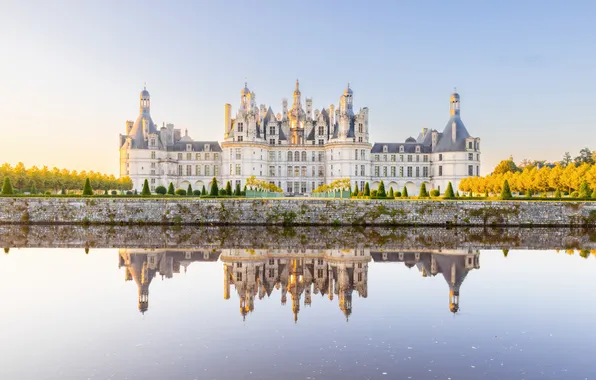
x,y
262,237
293,212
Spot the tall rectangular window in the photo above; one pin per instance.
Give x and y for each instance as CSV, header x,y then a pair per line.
x,y
179,169
376,157
179,156
207,170
272,171
290,171
401,171
238,153
409,158
189,156
271,130
384,171
238,169
440,170
425,171
188,170
470,170
440,157
376,171
417,171
356,155
271,141
355,170
153,155
362,170
409,171
216,170
393,171
362,155
207,156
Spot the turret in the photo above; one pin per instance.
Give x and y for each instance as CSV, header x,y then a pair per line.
x,y
145,102
454,103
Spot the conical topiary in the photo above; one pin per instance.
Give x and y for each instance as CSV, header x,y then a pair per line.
x,y
366,190
584,190
146,192
449,192
189,190
404,194
391,194
203,191
423,193
87,190
171,190
238,189
214,188
381,191
7,187
355,193
506,191
229,188
558,194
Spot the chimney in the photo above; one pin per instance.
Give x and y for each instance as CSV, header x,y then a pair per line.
x,y
228,119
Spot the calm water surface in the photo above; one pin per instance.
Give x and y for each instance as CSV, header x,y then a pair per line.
x,y
348,313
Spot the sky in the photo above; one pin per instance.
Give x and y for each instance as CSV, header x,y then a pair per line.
x,y
72,70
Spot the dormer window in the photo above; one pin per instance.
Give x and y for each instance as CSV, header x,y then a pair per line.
x,y
384,148
271,130
240,127
152,142
470,145
189,147
401,148
418,149
206,147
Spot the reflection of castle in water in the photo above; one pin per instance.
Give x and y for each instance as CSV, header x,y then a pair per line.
x,y
143,265
328,272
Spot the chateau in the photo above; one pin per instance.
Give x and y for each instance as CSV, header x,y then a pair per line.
x,y
297,149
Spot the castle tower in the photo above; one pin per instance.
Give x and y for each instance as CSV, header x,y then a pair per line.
x,y
297,96
145,102
454,103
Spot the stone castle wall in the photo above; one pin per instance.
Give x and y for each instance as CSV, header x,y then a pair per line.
x,y
139,211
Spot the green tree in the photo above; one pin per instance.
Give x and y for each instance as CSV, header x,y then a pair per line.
x,y
355,193
161,190
404,193
558,194
529,193
423,193
171,190
214,188
366,190
145,192
506,192
594,194
203,191
584,190
229,188
33,189
180,192
238,189
505,252
449,192
506,166
381,190
391,194
7,187
87,190
189,190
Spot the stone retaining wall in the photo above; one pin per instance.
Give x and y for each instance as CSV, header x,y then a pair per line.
x,y
139,211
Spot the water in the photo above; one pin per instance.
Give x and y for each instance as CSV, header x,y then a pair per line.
x,y
382,308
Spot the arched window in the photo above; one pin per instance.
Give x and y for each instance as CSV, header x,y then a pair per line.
x,y
297,156
384,148
417,149
289,156
401,148
303,156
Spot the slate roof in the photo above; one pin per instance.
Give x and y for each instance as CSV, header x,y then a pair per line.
x,y
197,146
394,148
446,143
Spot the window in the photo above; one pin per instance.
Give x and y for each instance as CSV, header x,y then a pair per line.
x,y
362,170
271,156
207,170
290,171
303,156
207,157
189,156
238,153
409,158
477,157
321,142
152,181
272,171
179,169
239,276
271,141
470,170
303,187
216,156
313,156
401,157
153,155
240,128
198,156
425,171
376,157
320,171
385,157
401,171
289,187
188,146
425,158
297,156
401,149
296,171
271,130
153,165
303,172
360,139
384,171
355,170
393,171
384,148
313,171
477,171
440,170
238,169
290,156
180,156
376,171
198,170
152,171
417,158
152,142
240,138
362,155
417,172
440,157
321,156
471,156
469,145
321,131
356,154
409,171
393,157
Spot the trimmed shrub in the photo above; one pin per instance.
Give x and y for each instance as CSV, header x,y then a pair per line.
x,y
114,192
366,190
161,190
506,191
196,193
229,188
223,192
180,192
129,192
146,192
381,190
449,192
87,190
214,188
594,194
575,194
203,191
584,190
423,193
63,191
558,194
7,187
189,190
238,191
356,191
374,194
391,194
33,189
435,193
528,193
397,194
171,190
404,193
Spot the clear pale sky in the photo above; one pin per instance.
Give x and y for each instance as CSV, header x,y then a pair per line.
x,y
72,70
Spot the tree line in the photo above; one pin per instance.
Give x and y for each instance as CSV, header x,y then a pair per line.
x,y
37,180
